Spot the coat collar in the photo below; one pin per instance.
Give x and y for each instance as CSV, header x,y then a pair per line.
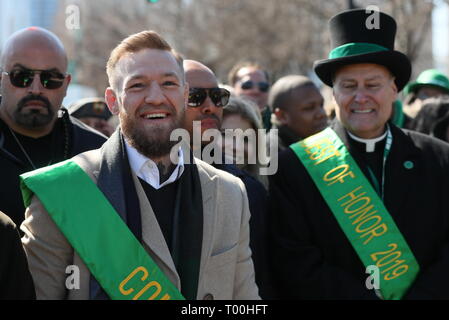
x,y
110,182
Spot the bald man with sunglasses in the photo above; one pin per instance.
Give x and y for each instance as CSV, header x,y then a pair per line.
x,y
205,104
35,131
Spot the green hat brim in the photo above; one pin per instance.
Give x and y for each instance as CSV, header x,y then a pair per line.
x,y
395,61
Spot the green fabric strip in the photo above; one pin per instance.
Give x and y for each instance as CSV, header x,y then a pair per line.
x,y
398,114
354,48
359,212
97,233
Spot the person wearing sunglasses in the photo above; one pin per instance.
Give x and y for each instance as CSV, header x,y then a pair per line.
x,y
35,131
206,98
250,80
206,104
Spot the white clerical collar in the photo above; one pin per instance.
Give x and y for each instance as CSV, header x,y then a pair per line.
x,y
369,143
147,170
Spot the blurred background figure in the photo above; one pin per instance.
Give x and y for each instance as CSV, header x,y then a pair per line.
x,y
433,118
95,113
250,80
429,84
241,113
399,117
298,111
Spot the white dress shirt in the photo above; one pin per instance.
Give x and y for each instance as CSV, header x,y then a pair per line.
x,y
147,170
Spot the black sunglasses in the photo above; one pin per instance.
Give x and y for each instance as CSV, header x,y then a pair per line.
x,y
219,96
23,78
263,86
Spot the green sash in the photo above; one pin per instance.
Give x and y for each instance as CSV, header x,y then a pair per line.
x,y
97,233
359,211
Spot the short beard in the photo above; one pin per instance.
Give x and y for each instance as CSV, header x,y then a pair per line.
x,y
153,142
33,119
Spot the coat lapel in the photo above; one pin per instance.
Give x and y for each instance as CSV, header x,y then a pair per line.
x,y
151,232
110,174
208,192
402,168
110,182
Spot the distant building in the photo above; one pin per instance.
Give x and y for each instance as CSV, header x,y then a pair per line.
x,y
18,14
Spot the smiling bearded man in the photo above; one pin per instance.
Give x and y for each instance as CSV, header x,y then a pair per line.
x,y
170,230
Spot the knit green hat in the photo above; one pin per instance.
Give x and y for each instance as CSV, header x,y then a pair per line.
x,y
430,77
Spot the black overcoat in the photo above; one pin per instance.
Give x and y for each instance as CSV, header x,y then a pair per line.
x,y
81,138
310,255
15,278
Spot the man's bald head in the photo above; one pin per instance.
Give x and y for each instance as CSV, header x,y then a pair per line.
x,y
30,105
198,75
35,38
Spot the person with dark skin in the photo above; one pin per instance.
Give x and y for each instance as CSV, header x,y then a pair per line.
x,y
298,110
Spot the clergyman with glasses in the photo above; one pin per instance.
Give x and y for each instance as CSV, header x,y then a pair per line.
x,y
35,130
250,80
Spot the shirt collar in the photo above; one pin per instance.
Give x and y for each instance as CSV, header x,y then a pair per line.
x,y
147,170
369,143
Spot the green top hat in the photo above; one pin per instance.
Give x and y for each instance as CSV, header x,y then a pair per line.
x,y
429,77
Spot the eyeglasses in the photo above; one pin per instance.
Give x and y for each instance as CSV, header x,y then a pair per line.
x,y
23,78
247,85
219,96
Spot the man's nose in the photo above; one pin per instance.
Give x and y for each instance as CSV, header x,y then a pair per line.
x,y
321,113
360,95
154,95
36,86
208,106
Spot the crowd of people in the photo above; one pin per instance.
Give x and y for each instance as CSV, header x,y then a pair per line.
x,y
103,187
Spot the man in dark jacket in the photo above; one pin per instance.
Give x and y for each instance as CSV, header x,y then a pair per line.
x,y
15,278
34,130
360,210
208,110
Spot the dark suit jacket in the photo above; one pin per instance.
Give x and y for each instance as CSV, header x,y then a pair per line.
x,y
81,138
310,254
15,279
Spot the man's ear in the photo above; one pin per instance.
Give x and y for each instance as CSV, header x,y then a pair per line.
x,y
67,80
111,100
281,116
